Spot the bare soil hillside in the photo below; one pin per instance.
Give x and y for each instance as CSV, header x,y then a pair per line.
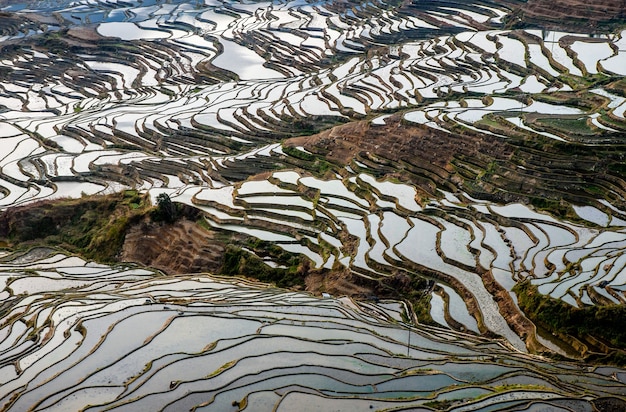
x,y
578,15
180,247
521,169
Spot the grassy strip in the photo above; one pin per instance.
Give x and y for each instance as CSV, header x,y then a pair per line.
x,y
600,322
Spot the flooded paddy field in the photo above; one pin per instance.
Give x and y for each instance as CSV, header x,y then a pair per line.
x,y
377,141
130,339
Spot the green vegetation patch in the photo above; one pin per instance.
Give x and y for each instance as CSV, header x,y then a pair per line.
x,y
315,164
239,262
602,322
94,227
298,154
412,288
618,87
440,405
311,124
554,207
578,126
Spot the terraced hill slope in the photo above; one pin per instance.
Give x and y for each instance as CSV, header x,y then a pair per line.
x,y
129,340
584,15
466,157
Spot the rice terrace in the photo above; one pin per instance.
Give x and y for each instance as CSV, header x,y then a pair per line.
x,y
313,205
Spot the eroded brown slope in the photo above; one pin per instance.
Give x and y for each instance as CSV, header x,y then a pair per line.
x,y
180,247
579,15
540,171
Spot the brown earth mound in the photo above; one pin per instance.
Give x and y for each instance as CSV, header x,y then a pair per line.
x,y
180,247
